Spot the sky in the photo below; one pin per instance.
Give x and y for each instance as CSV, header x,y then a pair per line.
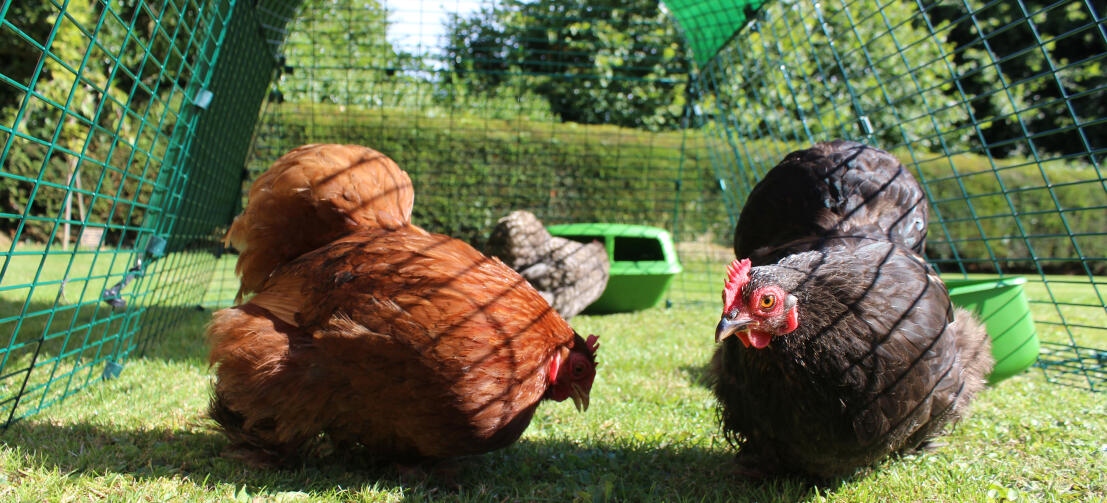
x,y
419,24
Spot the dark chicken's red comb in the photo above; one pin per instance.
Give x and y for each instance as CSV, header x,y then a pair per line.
x,y
593,343
737,275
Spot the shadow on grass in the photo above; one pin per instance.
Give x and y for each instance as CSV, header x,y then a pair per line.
x,y
529,470
698,375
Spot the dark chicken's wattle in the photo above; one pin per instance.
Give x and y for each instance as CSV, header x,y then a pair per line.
x,y
873,359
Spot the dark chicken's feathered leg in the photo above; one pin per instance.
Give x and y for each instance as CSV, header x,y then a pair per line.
x,y
440,472
754,462
258,369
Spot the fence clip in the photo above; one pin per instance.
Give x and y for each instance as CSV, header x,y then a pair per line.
x,y
111,370
203,99
155,249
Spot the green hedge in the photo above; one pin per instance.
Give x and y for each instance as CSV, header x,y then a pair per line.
x,y
468,172
1011,209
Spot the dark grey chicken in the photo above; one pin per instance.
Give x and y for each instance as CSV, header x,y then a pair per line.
x,y
839,344
568,274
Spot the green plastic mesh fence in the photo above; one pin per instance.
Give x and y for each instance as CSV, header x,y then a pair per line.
x,y
497,106
122,153
130,129
998,107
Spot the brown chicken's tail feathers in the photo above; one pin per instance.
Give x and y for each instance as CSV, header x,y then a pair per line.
x,y
312,196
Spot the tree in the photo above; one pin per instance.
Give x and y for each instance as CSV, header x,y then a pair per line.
x,y
1020,61
595,61
338,53
928,74
814,70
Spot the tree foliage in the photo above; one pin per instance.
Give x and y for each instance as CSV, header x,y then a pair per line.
x,y
337,53
808,71
595,61
1017,78
1018,61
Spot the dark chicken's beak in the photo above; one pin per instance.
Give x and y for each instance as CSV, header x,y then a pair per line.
x,y
580,397
728,327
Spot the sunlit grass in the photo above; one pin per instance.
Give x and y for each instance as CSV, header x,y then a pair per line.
x,y
649,435
58,332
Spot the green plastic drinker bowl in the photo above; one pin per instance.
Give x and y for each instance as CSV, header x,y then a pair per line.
x,y
1001,304
643,263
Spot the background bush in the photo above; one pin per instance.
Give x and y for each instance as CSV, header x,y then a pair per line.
x,y
468,172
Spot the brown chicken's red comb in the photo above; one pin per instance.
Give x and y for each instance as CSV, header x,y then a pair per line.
x,y
737,274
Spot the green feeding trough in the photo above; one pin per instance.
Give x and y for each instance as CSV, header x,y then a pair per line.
x,y
1001,304
643,263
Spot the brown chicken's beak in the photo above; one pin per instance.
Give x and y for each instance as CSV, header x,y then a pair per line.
x,y
728,327
580,397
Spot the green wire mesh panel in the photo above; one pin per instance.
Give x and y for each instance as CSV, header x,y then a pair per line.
x,y
999,108
116,153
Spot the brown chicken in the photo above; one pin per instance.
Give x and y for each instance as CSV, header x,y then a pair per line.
x,y
329,190
410,344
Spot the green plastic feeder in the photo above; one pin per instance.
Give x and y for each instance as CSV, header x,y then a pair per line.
x,y
643,263
1001,304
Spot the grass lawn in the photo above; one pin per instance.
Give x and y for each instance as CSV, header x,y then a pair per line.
x,y
649,435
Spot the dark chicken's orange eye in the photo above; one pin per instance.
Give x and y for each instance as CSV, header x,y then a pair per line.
x,y
768,301
578,369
